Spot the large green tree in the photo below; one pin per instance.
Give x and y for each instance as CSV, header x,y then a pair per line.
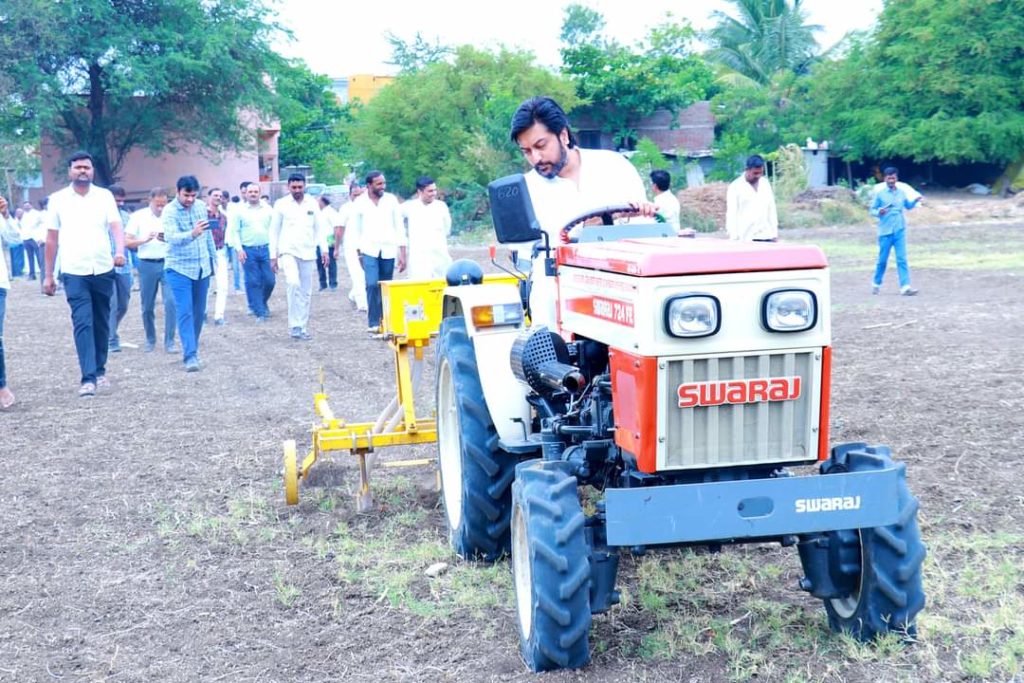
x,y
109,76
759,38
451,119
937,80
620,84
313,122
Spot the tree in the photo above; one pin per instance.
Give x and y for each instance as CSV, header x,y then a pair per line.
x,y
313,122
410,56
622,85
451,121
937,80
765,36
109,76
767,116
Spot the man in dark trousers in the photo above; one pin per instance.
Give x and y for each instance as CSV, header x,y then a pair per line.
x,y
82,220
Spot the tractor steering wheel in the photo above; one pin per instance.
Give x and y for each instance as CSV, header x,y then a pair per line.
x,y
606,213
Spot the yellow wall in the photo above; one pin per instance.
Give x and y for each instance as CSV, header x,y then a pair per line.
x,y
365,86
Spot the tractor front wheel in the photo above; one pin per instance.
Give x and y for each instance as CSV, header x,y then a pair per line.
x,y
476,474
550,568
882,565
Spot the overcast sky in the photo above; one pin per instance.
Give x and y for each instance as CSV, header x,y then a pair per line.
x,y
345,38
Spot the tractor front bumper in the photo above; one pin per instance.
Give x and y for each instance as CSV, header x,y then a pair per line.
x,y
748,509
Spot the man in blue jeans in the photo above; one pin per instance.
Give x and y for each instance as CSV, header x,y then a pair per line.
x,y
249,235
189,264
376,224
82,219
888,206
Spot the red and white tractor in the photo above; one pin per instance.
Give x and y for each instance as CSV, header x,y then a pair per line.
x,y
684,379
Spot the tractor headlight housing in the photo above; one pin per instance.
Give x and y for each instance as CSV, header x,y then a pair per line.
x,y
693,315
789,310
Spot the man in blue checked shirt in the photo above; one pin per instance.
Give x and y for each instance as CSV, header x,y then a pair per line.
x,y
888,206
189,264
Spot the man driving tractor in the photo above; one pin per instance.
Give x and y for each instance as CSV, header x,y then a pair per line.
x,y
565,182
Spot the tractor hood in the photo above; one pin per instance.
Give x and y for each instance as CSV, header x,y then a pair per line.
x,y
655,257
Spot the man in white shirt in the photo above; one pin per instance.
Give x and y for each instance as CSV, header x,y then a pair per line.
x,y
30,219
346,242
666,203
379,240
34,226
750,213
429,223
566,182
82,218
8,236
297,230
328,275
145,234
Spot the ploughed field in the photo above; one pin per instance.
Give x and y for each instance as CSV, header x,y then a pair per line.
x,y
144,535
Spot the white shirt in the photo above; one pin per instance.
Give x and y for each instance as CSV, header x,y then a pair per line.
x,y
668,207
298,228
33,225
377,228
750,213
606,179
83,225
140,224
429,226
8,236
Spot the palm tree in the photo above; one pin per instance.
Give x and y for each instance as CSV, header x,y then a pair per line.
x,y
767,36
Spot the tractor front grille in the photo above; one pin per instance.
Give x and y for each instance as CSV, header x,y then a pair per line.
x,y
743,433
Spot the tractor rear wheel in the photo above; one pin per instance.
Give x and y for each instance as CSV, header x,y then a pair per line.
x,y
550,567
476,474
882,565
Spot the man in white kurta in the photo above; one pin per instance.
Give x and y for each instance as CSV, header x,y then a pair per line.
x,y
345,246
428,224
565,182
750,213
296,231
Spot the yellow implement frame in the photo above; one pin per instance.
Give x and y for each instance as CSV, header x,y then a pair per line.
x,y
411,317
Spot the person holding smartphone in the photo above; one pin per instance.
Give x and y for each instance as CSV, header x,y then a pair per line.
x,y
188,265
144,235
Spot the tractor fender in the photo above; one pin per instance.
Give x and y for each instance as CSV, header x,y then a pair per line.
x,y
504,394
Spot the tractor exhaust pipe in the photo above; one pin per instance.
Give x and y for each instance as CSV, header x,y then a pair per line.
x,y
538,360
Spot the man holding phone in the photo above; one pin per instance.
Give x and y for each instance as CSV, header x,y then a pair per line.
x,y
189,264
144,234
888,206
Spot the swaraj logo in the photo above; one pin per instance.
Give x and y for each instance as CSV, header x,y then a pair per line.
x,y
827,504
693,394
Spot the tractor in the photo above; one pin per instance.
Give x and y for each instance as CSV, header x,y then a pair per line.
x,y
683,382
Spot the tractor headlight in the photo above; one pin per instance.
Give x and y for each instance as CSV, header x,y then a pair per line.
x,y
789,310
692,315
497,315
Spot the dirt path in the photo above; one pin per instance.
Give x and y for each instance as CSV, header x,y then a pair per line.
x,y
143,534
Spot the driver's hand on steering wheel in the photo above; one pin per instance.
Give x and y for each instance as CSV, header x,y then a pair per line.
x,y
646,209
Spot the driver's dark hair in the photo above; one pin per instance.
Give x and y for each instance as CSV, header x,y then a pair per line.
x,y
296,178
541,110
755,161
371,175
661,179
423,182
891,170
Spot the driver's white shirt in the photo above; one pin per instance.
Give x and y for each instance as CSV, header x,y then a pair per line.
x,y
606,179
